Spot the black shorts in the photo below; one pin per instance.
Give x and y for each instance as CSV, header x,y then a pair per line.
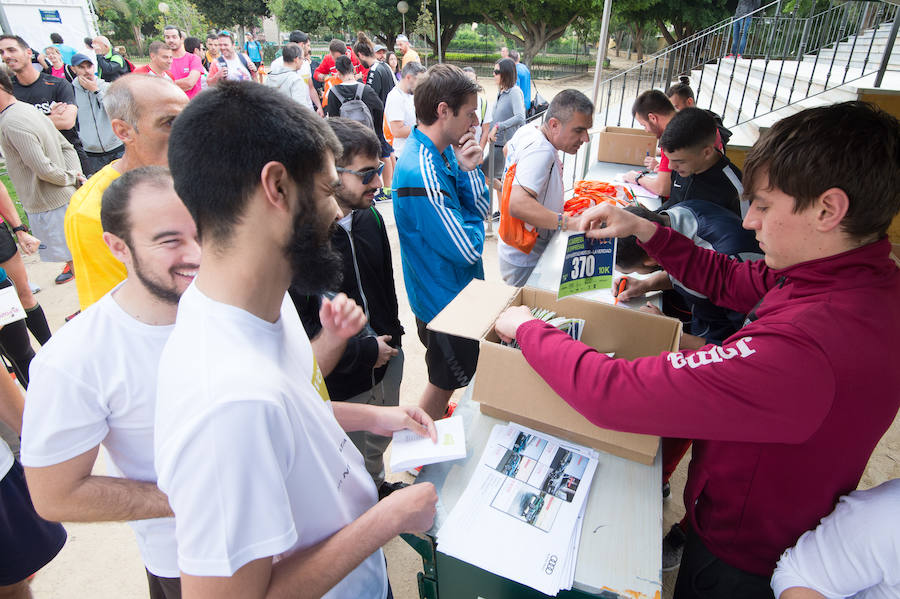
x,y
257,64
27,541
386,148
8,247
450,360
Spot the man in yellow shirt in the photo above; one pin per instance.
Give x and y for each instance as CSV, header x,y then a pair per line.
x,y
409,53
141,110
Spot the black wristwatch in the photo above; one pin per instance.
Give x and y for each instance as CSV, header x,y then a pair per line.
x,y
21,227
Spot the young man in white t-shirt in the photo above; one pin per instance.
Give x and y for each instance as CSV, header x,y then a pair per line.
x,y
269,494
536,196
230,65
95,381
399,109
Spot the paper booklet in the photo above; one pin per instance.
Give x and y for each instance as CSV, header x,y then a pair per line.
x,y
520,515
409,450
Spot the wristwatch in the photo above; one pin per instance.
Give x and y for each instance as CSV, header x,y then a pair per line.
x,y
21,227
638,178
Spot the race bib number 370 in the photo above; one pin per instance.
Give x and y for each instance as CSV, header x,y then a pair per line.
x,y
587,265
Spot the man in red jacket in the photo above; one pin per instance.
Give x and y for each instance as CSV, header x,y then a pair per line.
x,y
786,413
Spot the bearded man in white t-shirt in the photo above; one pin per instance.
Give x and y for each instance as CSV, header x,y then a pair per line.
x,y
270,496
95,381
536,196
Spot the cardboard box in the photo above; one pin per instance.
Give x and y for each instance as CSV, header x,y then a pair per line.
x,y
624,146
508,388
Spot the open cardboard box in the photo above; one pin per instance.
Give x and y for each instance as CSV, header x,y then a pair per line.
x,y
508,388
624,146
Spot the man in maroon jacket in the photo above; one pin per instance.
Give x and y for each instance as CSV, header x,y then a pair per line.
x,y
786,413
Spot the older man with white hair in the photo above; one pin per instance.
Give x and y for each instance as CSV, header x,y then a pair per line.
x,y
110,64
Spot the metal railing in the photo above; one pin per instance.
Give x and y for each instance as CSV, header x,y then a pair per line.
x,y
800,56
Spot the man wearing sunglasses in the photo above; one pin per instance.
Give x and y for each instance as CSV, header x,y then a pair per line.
x,y
371,367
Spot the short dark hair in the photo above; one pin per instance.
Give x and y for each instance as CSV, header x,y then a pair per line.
x,y
298,37
411,68
191,44
442,83
212,35
508,74
566,103
88,41
629,255
343,64
156,46
652,101
18,39
215,188
114,212
682,89
6,81
513,55
854,146
291,52
689,128
337,46
56,38
356,139
363,45
171,28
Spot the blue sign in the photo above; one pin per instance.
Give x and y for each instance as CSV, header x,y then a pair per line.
x,y
50,16
587,266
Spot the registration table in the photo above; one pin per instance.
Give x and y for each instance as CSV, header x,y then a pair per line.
x,y
621,540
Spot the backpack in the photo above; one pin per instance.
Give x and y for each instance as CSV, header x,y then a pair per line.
x,y
357,110
512,230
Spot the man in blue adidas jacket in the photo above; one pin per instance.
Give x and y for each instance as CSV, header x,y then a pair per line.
x,y
440,203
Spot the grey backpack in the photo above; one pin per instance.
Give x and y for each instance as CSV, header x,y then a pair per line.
x,y
357,110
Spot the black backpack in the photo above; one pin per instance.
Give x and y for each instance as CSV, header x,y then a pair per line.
x,y
357,110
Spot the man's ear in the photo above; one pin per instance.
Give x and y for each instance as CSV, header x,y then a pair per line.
x,y
275,182
831,207
118,248
123,130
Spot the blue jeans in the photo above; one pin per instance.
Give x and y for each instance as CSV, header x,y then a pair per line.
x,y
741,29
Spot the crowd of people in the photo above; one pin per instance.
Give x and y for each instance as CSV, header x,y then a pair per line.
x,y
239,350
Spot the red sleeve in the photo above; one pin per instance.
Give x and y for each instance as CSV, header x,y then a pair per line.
x,y
143,70
663,163
325,66
721,393
725,281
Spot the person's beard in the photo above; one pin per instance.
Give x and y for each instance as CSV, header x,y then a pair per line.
x,y
170,293
315,264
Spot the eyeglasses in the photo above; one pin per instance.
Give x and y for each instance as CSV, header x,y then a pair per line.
x,y
366,175
496,71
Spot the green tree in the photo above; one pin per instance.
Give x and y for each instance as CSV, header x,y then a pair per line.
x,y
128,19
380,17
244,13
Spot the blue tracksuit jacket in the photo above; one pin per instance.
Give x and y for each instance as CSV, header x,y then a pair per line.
x,y
440,212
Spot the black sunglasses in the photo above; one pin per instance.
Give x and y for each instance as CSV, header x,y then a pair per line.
x,y
496,71
366,175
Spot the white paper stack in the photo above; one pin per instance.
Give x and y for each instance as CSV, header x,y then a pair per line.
x,y
520,516
409,450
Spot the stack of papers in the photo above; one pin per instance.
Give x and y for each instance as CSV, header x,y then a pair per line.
x,y
635,189
572,326
520,516
409,450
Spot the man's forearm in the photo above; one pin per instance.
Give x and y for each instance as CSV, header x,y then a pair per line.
x,y
354,417
525,207
328,349
101,499
319,568
66,120
661,184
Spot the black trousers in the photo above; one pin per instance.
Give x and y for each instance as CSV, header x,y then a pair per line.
x,y
702,575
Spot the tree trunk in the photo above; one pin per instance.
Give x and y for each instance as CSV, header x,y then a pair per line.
x,y
138,38
639,42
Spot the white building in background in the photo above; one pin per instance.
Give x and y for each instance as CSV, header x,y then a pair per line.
x,y
35,20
